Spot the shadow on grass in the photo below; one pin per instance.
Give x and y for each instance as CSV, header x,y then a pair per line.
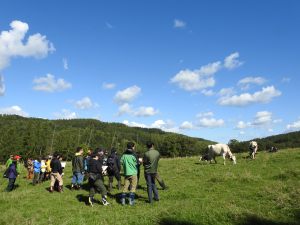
x,y
253,219
83,198
171,221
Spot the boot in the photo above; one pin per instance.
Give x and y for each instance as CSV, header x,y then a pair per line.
x,y
131,198
123,201
119,185
60,189
104,200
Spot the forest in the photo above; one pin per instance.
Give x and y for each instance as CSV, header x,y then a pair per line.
x,y
34,137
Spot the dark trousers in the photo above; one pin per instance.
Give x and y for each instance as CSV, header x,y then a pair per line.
x,y
36,178
11,184
151,187
97,185
112,174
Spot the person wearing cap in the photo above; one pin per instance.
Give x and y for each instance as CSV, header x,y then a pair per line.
x,y
96,179
150,161
129,164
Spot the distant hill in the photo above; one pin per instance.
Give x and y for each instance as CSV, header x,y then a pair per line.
x,y
280,141
32,137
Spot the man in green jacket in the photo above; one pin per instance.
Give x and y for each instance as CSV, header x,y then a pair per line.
x,y
150,161
77,169
129,164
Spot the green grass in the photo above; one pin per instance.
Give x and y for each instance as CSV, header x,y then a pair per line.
x,y
261,191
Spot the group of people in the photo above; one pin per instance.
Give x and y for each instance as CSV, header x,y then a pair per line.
x,y
94,167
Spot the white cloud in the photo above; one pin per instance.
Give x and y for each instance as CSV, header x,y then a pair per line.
x,y
108,86
179,24
124,109
206,120
145,111
65,114
186,125
134,124
226,92
2,86
231,61
247,81
263,96
85,103
210,122
193,80
65,64
127,95
262,118
242,125
286,80
50,84
207,92
294,126
11,44
13,110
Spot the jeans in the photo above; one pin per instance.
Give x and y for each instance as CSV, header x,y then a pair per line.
x,y
151,187
77,178
36,178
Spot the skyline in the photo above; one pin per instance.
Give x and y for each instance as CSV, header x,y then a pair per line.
x,y
208,69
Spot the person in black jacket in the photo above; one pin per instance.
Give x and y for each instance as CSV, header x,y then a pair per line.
x,y
96,179
56,173
113,169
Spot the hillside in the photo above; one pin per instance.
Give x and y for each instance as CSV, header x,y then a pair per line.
x,y
33,137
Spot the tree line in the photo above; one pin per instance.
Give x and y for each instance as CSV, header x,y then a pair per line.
x,y
34,137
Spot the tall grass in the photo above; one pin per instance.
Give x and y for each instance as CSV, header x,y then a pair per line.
x,y
261,191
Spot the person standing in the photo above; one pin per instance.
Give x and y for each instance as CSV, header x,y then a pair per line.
x,y
29,169
77,169
36,171
12,175
9,161
113,169
43,170
56,171
96,179
129,163
150,160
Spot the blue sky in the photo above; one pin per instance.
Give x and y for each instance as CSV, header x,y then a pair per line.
x,y
218,70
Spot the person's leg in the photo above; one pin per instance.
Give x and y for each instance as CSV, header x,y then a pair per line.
x,y
118,177
133,182
80,179
52,182
149,186
92,191
154,189
60,182
10,185
73,181
102,190
160,181
110,182
125,189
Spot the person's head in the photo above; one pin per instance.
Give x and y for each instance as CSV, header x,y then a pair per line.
x,y
150,144
113,150
89,151
11,156
79,150
17,157
56,155
130,145
95,155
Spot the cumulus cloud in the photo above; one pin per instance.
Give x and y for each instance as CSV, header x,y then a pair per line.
x,y
13,110
65,64
12,44
134,124
231,61
50,84
206,120
108,86
186,125
262,118
124,109
263,96
294,126
167,125
127,95
226,92
208,92
194,80
247,81
179,24
242,125
2,86
65,114
85,103
145,111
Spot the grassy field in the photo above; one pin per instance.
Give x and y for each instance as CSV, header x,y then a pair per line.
x,y
261,191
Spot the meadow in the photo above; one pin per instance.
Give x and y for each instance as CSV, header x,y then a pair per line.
x,y
261,191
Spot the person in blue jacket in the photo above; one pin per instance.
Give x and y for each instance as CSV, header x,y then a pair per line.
x,y
12,176
36,171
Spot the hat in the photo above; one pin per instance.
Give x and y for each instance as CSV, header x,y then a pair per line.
x,y
17,157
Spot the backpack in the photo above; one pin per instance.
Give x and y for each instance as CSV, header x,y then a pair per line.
x,y
111,163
